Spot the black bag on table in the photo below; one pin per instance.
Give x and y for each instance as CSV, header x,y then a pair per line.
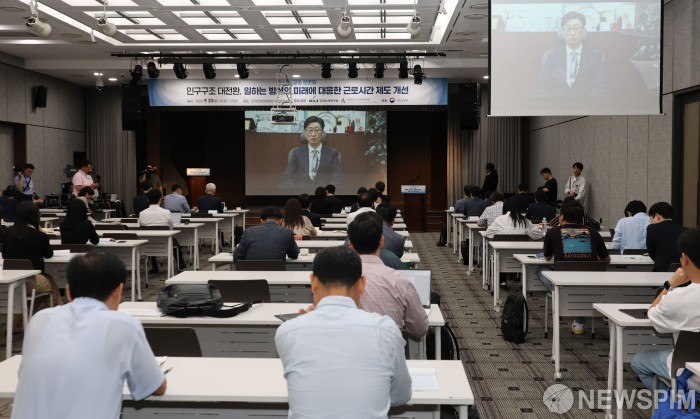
x,y
186,300
514,319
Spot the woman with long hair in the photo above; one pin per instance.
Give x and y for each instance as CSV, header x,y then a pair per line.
x,y
76,228
295,221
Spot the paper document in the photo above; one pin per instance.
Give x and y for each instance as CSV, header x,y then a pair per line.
x,y
424,379
142,312
62,252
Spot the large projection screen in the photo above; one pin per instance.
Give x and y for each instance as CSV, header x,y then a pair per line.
x,y
353,152
575,58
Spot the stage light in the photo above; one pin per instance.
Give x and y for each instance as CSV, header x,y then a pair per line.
x,y
242,70
413,26
326,70
418,74
209,70
153,71
136,74
345,29
106,27
34,25
379,70
403,70
352,70
180,70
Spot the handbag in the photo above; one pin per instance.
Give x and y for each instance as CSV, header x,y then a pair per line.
x,y
676,410
187,300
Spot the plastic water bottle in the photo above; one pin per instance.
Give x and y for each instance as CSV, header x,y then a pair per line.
x,y
544,226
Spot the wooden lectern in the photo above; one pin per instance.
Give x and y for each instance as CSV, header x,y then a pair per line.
x,y
196,181
414,206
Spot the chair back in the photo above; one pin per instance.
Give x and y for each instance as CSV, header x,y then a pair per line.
x,y
121,236
581,266
17,265
74,248
130,220
201,215
673,267
635,251
685,350
510,238
261,265
151,228
110,227
173,341
243,291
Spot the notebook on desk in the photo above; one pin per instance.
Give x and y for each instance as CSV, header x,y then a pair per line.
x,y
176,217
421,280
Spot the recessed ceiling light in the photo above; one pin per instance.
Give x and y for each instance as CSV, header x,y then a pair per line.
x,y
486,77
481,6
475,16
296,76
97,74
115,79
237,76
461,40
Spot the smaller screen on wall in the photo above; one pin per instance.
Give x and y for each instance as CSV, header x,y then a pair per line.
x,y
289,153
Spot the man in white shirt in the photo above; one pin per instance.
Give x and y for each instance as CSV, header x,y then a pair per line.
x,y
364,201
491,213
673,311
82,178
155,216
631,231
576,185
76,357
341,362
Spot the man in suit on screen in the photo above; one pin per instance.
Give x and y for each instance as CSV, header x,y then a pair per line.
x,y
314,163
573,69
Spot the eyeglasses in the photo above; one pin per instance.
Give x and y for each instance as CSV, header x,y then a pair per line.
x,y
313,130
573,29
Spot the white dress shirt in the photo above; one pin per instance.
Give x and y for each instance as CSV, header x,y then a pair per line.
x,y
352,215
155,216
311,160
504,225
578,185
631,232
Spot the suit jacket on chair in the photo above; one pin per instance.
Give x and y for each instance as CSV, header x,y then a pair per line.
x,y
590,78
297,172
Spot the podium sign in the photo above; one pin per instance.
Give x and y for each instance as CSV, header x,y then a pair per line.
x,y
198,171
413,189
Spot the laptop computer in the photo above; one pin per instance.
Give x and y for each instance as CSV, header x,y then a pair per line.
x,y
421,280
176,217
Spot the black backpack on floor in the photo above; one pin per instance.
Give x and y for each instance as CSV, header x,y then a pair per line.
x,y
514,319
442,241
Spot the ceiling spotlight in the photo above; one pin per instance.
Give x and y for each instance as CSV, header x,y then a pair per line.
x,y
106,27
326,70
136,74
153,71
418,74
209,70
345,29
352,70
403,70
379,70
242,70
180,70
34,25
414,26
99,84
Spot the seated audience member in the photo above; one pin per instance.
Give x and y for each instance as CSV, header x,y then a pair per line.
x,y
355,206
380,187
475,206
333,202
375,197
495,210
86,195
295,221
662,236
393,241
572,241
364,203
386,292
76,228
318,203
523,198
541,208
366,350
305,202
631,231
24,241
155,216
91,349
176,201
461,203
141,201
588,221
268,241
8,201
674,310
208,201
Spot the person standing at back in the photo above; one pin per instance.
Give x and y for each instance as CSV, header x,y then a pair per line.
x,y
576,185
631,231
662,236
490,181
82,178
550,185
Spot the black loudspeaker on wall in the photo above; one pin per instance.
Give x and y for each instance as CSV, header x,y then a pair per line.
x,y
469,105
40,93
132,115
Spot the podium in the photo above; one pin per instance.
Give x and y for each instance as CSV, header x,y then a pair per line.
x,y
196,182
414,206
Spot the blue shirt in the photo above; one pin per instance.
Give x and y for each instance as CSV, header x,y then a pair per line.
x,y
176,203
631,232
75,359
343,363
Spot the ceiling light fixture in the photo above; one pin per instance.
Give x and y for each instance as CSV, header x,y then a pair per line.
x,y
180,70
153,71
34,25
112,79
242,70
486,77
106,27
296,76
209,71
352,70
379,70
418,74
326,70
345,28
413,26
403,70
136,74
99,83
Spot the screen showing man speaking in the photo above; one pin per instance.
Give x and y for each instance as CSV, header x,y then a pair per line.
x,y
294,152
575,58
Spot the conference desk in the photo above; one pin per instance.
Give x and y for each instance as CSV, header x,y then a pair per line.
x,y
453,220
255,388
339,218
470,224
628,336
342,234
574,293
189,237
209,228
303,262
45,222
14,282
249,334
316,245
342,226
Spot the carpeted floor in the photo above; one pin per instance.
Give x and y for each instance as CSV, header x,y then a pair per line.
x,y
508,380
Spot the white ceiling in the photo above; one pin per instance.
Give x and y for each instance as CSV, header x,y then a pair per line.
x,y
233,26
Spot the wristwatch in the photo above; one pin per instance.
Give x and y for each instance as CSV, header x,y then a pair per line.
x,y
667,286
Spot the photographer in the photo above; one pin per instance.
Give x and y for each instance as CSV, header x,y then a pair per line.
x,y
25,184
148,175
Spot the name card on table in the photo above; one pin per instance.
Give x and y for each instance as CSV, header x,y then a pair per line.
x,y
198,171
413,189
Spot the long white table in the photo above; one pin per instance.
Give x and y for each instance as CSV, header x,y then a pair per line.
x,y
628,336
255,387
574,293
303,262
12,282
342,234
341,226
448,224
470,224
237,211
316,245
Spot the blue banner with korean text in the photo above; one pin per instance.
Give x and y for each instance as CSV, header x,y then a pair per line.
x,y
336,93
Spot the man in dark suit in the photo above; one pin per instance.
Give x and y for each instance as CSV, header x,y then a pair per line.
x,y
313,163
209,202
541,208
268,241
523,198
305,202
662,236
141,201
393,241
573,69
333,201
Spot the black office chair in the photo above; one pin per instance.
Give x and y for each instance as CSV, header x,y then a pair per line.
x,y
130,220
685,350
243,291
26,265
261,265
612,232
510,238
110,227
201,215
74,248
173,341
635,252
